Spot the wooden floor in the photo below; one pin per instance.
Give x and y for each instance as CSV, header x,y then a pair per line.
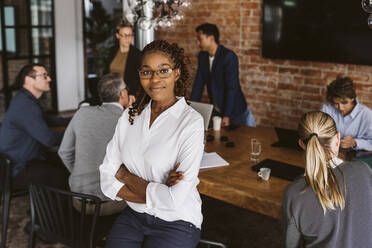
x,y
236,227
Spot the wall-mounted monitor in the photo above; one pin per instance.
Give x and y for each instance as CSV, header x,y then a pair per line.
x,y
316,30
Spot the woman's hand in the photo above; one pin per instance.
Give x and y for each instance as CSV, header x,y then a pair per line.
x,y
134,185
174,176
122,173
134,189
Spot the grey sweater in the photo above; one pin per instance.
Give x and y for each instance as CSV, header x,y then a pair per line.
x,y
305,224
84,146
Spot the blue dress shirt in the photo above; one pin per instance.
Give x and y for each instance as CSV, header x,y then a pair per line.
x,y
25,130
357,124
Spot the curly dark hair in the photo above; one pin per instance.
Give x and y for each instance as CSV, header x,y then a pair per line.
x,y
176,55
341,87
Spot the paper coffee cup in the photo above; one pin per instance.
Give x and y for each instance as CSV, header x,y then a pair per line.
x,y
217,123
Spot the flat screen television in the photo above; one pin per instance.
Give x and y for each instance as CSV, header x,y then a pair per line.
x,y
317,30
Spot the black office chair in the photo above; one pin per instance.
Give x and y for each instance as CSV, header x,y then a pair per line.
x,y
54,216
210,244
7,193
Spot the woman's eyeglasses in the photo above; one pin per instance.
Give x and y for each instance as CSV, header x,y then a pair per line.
x,y
126,36
161,73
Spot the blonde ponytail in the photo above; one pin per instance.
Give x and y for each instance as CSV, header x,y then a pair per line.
x,y
316,129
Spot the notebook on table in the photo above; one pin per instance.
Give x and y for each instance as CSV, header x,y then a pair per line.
x,y
205,110
287,138
279,169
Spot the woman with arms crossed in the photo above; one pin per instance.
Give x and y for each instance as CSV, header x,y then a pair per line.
x,y
331,205
159,131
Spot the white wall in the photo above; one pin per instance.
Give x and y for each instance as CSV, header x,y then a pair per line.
x,y
69,53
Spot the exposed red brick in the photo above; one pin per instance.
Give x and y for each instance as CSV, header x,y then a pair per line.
x,y
277,91
309,89
363,87
330,75
259,60
284,86
323,65
278,62
311,72
269,68
251,52
316,98
298,63
288,70
359,77
250,5
314,81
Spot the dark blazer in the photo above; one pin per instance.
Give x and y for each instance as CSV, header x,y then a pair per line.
x,y
131,68
222,83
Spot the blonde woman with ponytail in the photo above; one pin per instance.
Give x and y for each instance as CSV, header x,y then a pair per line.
x,y
331,206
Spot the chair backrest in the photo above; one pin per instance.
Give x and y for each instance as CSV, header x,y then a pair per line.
x,y
90,102
57,218
5,173
210,244
6,169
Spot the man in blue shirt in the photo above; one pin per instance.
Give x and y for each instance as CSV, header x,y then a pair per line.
x,y
353,120
218,69
24,132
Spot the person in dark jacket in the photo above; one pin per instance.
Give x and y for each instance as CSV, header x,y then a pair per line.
x,y
218,69
125,59
25,132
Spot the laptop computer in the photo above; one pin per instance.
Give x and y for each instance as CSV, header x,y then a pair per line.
x,y
287,138
282,170
205,110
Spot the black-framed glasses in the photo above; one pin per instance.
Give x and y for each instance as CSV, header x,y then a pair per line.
x,y
161,73
44,75
126,36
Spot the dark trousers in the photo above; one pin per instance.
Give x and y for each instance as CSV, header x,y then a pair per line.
x,y
47,172
135,230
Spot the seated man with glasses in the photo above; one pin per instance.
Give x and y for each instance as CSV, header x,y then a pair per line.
x,y
86,137
25,133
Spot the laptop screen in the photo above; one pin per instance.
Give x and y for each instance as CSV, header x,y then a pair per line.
x,y
287,138
205,110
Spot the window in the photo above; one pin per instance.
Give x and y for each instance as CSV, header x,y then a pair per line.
x,y
27,36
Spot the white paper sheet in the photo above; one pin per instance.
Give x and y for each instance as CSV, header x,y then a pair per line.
x,y
211,160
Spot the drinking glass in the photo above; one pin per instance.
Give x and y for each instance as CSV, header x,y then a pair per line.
x,y
255,150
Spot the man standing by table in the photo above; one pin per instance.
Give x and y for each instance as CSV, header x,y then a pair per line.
x,y
353,120
25,132
218,69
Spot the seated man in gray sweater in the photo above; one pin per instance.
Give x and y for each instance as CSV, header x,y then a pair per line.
x,y
86,137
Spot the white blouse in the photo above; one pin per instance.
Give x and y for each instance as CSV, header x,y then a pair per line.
x,y
176,135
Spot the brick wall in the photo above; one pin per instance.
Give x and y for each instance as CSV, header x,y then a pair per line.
x,y
277,91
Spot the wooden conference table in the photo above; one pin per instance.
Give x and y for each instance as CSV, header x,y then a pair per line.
x,y
237,183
